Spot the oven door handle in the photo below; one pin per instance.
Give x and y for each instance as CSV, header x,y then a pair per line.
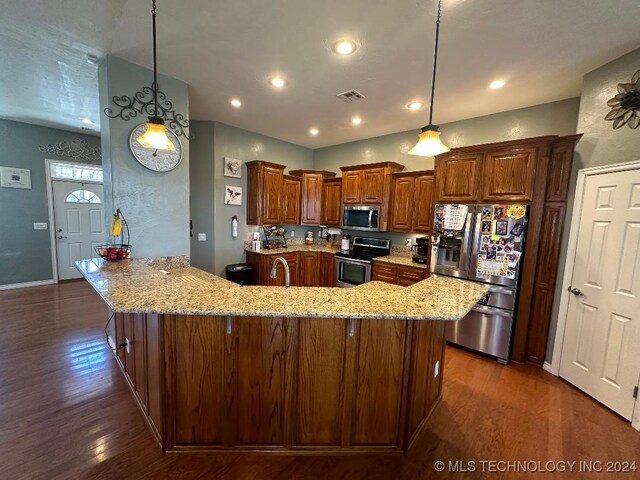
x,y
492,311
353,260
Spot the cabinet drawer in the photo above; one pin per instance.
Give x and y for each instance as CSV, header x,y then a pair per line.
x,y
385,268
410,273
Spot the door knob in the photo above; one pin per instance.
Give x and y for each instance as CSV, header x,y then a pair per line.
x,y
576,292
60,237
59,230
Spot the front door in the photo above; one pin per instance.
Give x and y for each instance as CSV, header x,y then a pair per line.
x,y
601,349
79,224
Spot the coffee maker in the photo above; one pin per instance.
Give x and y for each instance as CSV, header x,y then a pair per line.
x,y
422,250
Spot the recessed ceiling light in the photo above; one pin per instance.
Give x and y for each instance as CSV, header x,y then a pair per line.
x,y
235,102
277,82
344,47
314,131
87,121
356,120
415,105
496,84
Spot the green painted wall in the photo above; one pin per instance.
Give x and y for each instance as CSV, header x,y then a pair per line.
x,y
600,145
25,253
156,205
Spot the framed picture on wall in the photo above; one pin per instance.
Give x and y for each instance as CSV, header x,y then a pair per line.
x,y
232,195
232,167
15,177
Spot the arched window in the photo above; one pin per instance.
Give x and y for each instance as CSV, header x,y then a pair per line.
x,y
82,196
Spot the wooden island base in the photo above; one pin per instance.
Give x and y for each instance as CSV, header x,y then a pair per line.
x,y
283,385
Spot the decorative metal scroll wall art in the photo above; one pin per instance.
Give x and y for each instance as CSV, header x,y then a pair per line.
x,y
78,149
625,106
141,103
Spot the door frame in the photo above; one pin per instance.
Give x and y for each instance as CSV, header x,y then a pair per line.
x,y
583,174
49,187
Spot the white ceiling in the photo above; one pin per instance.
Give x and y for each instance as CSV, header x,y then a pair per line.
x,y
222,49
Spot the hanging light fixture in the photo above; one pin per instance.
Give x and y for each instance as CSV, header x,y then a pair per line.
x,y
155,137
429,143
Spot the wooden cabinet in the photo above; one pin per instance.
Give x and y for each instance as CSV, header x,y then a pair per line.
x,y
264,193
403,275
331,202
508,175
352,187
294,270
291,199
310,271
457,178
412,202
312,191
373,185
328,269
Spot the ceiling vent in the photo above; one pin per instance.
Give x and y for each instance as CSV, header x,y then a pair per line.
x,y
350,96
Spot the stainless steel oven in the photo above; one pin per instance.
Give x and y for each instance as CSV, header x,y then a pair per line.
x,y
361,217
351,272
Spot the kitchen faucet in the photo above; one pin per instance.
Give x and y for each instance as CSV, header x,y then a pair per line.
x,y
274,271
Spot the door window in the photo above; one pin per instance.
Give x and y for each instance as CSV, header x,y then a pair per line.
x,y
82,196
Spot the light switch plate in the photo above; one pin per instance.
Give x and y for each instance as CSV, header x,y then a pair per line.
x,y
39,225
202,237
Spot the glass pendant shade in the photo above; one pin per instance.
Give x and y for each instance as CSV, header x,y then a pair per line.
x,y
155,137
429,143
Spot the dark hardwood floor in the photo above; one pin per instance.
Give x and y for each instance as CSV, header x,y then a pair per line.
x,y
66,412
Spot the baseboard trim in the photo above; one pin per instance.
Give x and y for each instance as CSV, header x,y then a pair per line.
x,y
39,283
547,366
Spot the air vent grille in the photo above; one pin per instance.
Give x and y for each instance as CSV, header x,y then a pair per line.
x,y
350,96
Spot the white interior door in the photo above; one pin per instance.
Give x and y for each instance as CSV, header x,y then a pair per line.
x,y
601,348
79,224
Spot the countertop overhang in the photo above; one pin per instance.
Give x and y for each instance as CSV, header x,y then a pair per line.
x,y
133,286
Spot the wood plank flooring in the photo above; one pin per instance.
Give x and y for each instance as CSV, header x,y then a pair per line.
x,y
66,412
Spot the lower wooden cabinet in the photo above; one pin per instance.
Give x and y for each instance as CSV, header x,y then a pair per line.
x,y
328,269
306,269
310,271
402,275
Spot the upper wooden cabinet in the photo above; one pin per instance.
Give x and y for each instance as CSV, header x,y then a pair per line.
x,y
352,187
291,191
312,186
369,183
331,202
508,175
412,202
458,178
264,193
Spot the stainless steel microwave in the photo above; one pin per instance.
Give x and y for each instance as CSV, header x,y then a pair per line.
x,y
361,217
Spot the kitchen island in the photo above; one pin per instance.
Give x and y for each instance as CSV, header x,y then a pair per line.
x,y
305,370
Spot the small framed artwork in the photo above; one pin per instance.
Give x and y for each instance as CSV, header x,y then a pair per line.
x,y
486,227
232,167
15,177
501,227
232,195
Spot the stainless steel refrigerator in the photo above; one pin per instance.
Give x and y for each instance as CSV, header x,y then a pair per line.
x,y
482,243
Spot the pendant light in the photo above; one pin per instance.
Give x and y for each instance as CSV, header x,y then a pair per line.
x,y
155,137
429,143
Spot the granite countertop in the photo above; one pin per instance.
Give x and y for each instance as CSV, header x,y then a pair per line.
x,y
400,260
133,286
328,248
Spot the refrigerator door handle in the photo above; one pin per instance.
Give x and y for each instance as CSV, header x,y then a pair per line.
x,y
464,251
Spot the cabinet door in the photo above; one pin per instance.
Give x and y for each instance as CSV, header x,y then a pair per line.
x,y
332,207
423,204
409,275
291,201
310,273
402,204
328,270
559,173
508,176
279,281
311,198
259,380
317,408
378,382
273,179
458,179
352,187
373,185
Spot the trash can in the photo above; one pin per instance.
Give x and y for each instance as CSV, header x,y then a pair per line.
x,y
240,273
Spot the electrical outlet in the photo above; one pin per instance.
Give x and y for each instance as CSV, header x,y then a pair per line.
x,y
407,243
293,234
436,369
127,345
202,237
40,225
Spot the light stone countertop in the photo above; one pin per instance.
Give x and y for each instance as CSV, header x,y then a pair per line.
x,y
400,260
132,286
